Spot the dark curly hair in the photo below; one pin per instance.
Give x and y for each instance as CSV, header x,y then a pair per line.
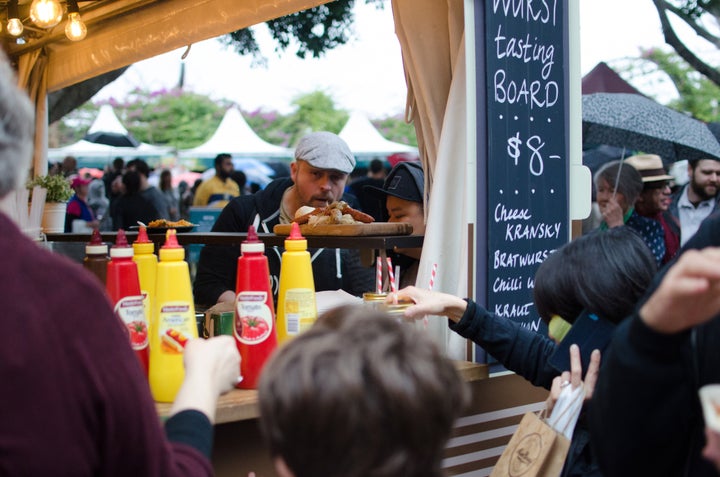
x,y
605,272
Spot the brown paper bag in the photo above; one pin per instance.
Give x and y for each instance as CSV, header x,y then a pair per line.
x,y
535,450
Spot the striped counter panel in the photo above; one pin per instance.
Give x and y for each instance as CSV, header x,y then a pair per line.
x,y
480,436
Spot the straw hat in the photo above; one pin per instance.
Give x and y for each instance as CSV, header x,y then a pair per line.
x,y
650,167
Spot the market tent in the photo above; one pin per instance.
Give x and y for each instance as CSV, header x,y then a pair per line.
x,y
91,153
365,140
603,79
235,137
107,123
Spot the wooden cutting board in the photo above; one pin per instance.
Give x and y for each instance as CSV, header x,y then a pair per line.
x,y
348,230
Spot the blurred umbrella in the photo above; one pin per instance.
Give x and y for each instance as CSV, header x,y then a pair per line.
x,y
92,171
112,139
595,157
639,123
188,176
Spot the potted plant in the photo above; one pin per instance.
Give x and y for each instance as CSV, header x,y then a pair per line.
x,y
57,195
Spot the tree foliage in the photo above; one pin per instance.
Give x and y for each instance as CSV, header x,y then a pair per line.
x,y
176,118
697,95
696,14
312,32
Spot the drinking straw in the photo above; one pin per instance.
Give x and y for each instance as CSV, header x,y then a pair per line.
x,y
378,281
393,285
397,273
433,272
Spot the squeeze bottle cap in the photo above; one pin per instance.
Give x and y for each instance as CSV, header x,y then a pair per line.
x,y
252,243
142,243
171,250
96,246
121,248
295,241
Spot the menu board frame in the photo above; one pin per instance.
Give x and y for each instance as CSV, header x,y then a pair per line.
x,y
523,147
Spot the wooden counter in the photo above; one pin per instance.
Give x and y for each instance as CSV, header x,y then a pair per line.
x,y
227,238
242,404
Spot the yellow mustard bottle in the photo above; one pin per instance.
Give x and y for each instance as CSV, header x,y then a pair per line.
x,y
146,261
296,311
173,322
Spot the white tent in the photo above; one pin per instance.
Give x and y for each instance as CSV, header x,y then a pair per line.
x,y
235,137
106,121
364,140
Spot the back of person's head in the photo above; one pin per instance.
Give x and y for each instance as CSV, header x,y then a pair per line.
x,y
629,183
605,272
140,166
131,181
16,130
239,177
360,394
376,166
166,180
118,163
220,158
96,191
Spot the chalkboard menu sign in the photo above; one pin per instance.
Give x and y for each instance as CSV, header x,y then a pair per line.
x,y
525,96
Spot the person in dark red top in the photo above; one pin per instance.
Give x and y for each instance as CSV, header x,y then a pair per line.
x,y
74,400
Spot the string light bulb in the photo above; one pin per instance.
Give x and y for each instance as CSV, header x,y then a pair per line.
x,y
75,29
46,13
14,25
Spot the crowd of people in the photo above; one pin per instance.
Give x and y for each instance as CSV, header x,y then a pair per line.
x,y
651,269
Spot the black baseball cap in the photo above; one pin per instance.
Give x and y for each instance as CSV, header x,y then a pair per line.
x,y
405,181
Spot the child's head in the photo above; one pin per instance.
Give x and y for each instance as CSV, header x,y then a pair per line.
x,y
360,394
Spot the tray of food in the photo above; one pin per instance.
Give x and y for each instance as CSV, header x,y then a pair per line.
x,y
161,226
339,219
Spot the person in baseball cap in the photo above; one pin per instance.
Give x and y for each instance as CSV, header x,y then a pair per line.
x,y
654,200
78,215
404,195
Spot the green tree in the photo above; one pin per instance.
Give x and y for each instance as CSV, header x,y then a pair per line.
x,y
697,95
174,117
394,128
313,31
696,14
314,111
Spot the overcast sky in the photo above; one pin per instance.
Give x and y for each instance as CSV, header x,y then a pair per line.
x,y
366,74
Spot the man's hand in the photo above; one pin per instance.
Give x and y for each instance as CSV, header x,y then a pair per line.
x,y
688,295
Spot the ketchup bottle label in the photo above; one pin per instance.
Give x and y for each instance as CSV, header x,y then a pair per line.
x,y
253,318
131,311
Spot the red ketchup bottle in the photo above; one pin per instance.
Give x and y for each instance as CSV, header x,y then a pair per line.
x,y
123,286
254,328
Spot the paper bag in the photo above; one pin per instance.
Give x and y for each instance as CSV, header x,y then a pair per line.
x,y
535,450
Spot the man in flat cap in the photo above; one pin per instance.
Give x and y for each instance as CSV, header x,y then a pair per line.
x,y
318,175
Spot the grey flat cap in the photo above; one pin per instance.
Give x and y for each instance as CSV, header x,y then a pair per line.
x,y
325,150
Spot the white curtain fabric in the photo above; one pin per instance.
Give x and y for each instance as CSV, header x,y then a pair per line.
x,y
431,34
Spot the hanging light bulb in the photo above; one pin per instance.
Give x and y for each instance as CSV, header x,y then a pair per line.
x,y
14,25
75,29
46,13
